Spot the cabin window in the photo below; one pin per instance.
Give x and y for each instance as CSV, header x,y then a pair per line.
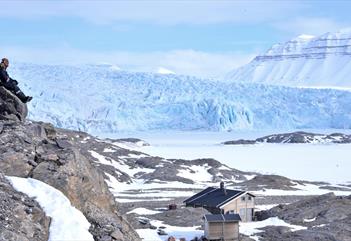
x,y
242,198
249,198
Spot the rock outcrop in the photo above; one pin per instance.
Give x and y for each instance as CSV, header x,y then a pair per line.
x,y
296,137
40,151
11,108
326,217
263,182
21,218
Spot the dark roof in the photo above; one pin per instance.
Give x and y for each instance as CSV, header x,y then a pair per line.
x,y
212,197
199,194
222,218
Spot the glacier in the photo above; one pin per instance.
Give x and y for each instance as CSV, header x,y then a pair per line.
x,y
317,61
101,99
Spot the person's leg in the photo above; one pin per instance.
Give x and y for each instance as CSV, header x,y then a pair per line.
x,y
21,95
10,87
17,91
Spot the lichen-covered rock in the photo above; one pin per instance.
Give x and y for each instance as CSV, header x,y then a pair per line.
x,y
21,217
11,108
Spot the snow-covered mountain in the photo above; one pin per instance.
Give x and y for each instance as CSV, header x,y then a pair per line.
x,y
99,99
303,61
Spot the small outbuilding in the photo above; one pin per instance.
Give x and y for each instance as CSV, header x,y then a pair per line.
x,y
222,227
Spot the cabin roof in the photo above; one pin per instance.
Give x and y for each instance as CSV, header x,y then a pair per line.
x,y
213,197
212,218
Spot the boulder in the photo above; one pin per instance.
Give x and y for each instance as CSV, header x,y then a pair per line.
x,y
11,108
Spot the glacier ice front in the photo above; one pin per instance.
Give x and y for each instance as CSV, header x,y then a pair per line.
x,y
97,99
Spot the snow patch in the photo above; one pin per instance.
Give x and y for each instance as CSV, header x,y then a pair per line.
x,y
195,173
67,223
109,150
249,177
162,70
309,220
252,228
143,211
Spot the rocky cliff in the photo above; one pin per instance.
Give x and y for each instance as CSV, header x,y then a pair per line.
x,y
40,151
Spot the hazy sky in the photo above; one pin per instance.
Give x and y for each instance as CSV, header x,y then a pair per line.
x,y
205,38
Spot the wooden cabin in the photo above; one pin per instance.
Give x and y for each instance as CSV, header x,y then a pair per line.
x,y
222,226
224,201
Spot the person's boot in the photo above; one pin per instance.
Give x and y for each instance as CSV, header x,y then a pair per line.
x,y
21,96
28,98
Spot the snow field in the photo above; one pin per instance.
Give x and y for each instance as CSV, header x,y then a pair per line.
x,y
320,162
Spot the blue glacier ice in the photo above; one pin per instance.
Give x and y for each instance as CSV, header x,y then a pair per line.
x,y
101,99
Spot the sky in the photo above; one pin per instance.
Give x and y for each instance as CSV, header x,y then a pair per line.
x,y
203,38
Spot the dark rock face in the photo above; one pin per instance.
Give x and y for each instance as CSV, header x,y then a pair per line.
x,y
21,218
296,137
47,154
326,217
11,108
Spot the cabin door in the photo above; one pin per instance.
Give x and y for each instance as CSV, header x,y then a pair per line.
x,y
249,214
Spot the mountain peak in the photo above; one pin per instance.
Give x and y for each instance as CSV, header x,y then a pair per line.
x,y
305,60
304,37
342,34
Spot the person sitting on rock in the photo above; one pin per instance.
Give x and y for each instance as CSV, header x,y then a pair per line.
x,y
11,84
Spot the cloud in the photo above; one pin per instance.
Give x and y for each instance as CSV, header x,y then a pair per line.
x,y
156,12
309,25
187,62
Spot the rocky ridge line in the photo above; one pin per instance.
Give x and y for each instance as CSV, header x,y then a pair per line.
x,y
296,137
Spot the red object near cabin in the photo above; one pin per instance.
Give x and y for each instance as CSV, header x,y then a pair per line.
x,y
172,206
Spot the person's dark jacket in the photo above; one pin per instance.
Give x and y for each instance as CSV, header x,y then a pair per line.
x,y
6,81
